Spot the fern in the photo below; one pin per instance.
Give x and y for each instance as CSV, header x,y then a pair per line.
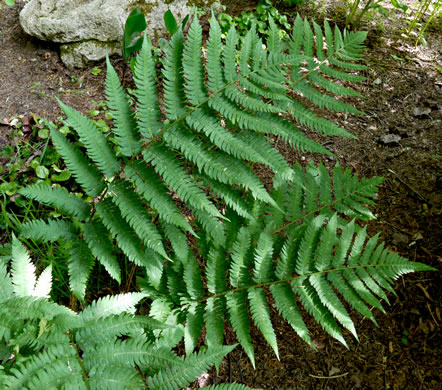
x,y
178,196
220,113
46,345
309,250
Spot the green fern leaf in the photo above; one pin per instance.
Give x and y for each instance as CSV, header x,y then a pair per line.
x,y
362,290
111,305
23,270
84,172
339,74
323,256
174,95
80,263
332,302
229,55
263,265
133,212
155,193
297,36
107,328
125,126
97,239
218,166
178,240
213,227
6,288
180,376
254,104
287,259
127,239
214,321
239,275
96,144
201,121
115,378
350,295
232,197
313,305
193,66
52,230
214,68
261,316
237,309
285,301
149,114
52,361
192,278
323,100
30,307
273,41
216,269
128,353
178,179
44,283
308,118
308,245
59,198
194,325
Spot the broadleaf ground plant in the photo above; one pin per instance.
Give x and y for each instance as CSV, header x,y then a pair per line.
x,y
177,196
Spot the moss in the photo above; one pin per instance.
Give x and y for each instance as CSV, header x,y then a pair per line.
x,y
70,47
146,7
200,3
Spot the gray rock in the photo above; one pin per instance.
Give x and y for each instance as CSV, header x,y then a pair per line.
x,y
90,29
77,55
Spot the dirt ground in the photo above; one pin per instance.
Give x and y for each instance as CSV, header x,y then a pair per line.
x,y
399,139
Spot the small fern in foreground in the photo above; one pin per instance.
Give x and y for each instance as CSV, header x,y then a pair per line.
x,y
106,346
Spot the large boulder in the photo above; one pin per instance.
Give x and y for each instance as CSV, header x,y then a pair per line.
x,y
90,29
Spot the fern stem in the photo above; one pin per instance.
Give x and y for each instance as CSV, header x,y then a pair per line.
x,y
268,284
309,214
80,361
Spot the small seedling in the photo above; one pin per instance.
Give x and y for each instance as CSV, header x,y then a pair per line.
x,y
95,71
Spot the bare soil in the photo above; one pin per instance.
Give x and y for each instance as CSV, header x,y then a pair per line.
x,y
399,139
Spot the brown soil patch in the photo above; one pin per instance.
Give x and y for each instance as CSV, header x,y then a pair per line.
x,y
400,139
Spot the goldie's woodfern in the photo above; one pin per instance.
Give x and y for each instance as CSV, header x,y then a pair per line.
x,y
179,198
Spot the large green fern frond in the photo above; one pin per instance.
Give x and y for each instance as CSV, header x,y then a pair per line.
x,y
223,109
307,251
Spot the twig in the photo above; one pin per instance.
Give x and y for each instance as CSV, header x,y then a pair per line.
x,y
131,275
328,377
407,185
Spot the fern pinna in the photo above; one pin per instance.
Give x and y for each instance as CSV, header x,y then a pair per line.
x,y
44,345
179,198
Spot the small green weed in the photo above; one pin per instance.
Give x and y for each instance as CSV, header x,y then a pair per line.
x,y
261,18
35,88
355,14
95,71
